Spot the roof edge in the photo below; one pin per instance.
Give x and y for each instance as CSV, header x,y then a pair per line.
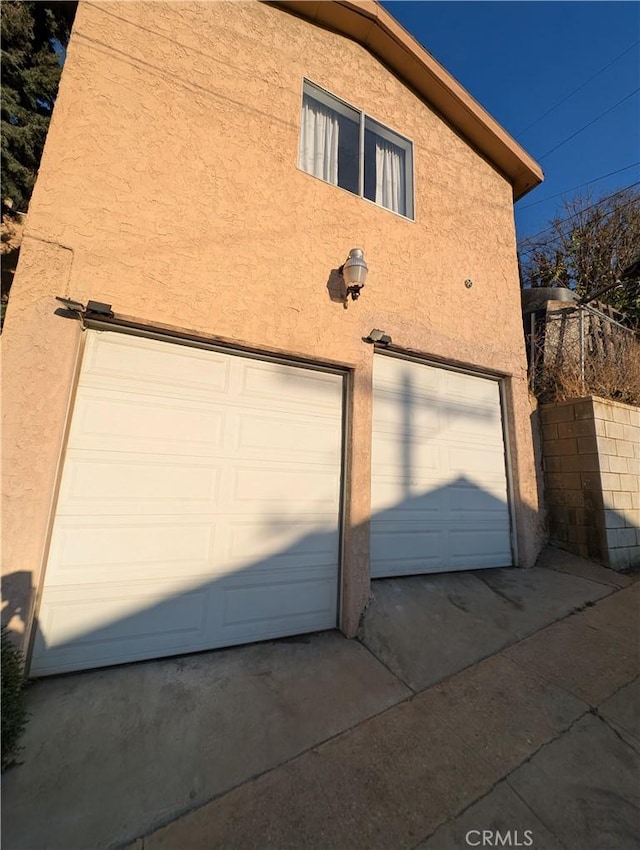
x,y
368,23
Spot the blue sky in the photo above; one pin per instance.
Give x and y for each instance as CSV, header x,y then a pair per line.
x,y
519,59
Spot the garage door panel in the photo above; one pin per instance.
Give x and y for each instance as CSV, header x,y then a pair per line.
x,y
468,462
285,437
396,412
395,542
117,484
473,429
122,613
114,422
310,490
302,543
252,598
148,366
485,547
450,479
166,539
273,381
86,552
77,633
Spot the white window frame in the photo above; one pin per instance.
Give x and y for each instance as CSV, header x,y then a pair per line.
x,y
367,121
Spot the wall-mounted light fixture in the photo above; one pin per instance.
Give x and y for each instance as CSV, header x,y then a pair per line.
x,y
354,272
378,336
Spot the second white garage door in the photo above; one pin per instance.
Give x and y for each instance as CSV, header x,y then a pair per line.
x,y
439,484
199,505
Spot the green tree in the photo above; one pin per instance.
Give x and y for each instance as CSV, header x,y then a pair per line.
x,y
588,248
34,37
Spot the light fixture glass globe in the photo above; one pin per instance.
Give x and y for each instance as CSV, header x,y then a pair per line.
x,y
355,269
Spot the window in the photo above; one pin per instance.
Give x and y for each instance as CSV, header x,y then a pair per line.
x,y
345,147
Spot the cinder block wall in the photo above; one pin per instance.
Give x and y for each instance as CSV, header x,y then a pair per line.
x,y
591,459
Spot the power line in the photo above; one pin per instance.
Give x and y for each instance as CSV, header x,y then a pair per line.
x,y
597,118
579,213
573,188
527,252
575,91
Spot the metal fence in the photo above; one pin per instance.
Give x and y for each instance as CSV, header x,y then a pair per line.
x,y
568,340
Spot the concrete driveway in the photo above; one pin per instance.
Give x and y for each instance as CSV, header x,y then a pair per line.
x,y
497,700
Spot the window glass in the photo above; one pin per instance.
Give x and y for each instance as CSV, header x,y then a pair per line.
x,y
330,149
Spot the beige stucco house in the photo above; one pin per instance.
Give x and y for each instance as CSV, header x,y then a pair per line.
x,y
217,449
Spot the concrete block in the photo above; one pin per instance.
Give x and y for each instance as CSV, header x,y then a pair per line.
x,y
629,482
580,463
583,409
549,432
631,517
572,498
578,534
603,462
634,416
593,481
558,532
635,499
624,448
619,559
612,537
580,428
615,429
614,519
617,464
621,499
562,447
633,466
565,480
607,446
589,445
602,410
553,463
620,414
610,481
553,413
626,537
600,427
631,433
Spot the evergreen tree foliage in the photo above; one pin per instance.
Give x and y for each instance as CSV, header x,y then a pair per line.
x,y
34,35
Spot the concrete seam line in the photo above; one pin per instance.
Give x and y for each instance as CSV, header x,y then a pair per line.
x,y
613,728
386,667
506,776
536,815
161,824
599,582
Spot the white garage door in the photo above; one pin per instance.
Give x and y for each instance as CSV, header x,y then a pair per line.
x,y
439,486
199,505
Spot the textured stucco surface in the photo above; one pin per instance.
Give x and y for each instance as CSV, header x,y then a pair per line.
x,y
170,178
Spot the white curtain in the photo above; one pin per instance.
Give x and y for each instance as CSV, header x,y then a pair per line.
x,y
390,184
318,153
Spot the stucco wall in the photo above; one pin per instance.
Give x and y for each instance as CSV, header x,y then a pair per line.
x,y
169,189
591,451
